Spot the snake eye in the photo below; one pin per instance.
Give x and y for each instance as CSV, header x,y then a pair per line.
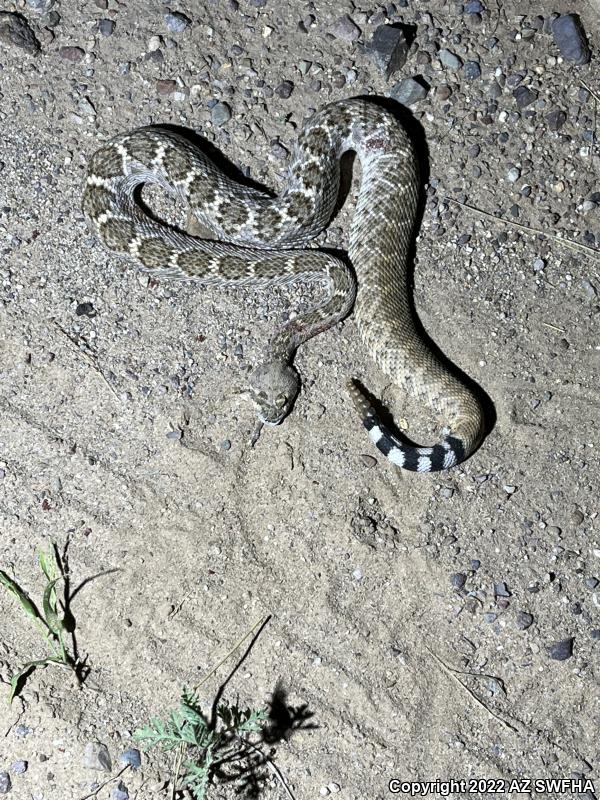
x,y
280,400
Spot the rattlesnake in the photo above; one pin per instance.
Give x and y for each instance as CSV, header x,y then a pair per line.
x,y
256,241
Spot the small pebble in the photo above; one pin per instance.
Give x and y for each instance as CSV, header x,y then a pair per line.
x,y
284,90
72,54
220,114
524,620
119,792
96,756
490,617
177,22
368,461
561,651
524,96
458,580
175,436
5,783
539,264
345,29
165,87
473,7
409,91
501,590
334,788
106,27
23,730
446,492
472,70
132,757
449,59
591,583
509,489
226,444
556,119
19,767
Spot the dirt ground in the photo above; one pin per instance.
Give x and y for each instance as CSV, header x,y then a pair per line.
x,y
415,620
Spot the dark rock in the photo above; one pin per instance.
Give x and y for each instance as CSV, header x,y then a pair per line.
x,y
458,580
472,70
524,620
409,91
5,784
132,757
524,96
15,30
556,119
85,309
561,651
389,47
570,39
285,89
501,590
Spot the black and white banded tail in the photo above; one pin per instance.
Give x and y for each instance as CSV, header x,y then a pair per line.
x,y
450,451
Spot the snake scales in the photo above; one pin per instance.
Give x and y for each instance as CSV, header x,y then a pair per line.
x,y
257,241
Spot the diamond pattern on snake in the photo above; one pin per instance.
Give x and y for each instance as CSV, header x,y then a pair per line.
x,y
258,240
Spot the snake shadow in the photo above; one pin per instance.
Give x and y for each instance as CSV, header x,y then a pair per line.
x,y
417,134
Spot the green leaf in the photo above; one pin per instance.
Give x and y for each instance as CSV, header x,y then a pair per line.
x,y
48,564
21,596
53,620
18,681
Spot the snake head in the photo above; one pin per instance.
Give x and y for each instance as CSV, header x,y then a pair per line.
x,y
273,389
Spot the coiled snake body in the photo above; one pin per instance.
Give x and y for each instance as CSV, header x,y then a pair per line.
x,y
256,242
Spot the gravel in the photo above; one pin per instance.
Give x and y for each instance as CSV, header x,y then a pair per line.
x,y
5,783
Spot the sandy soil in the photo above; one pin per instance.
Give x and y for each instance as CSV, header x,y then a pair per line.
x,y
398,602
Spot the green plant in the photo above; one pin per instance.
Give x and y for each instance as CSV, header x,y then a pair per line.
x,y
201,744
50,621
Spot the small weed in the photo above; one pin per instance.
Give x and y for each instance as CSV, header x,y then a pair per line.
x,y
201,745
50,621
208,747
